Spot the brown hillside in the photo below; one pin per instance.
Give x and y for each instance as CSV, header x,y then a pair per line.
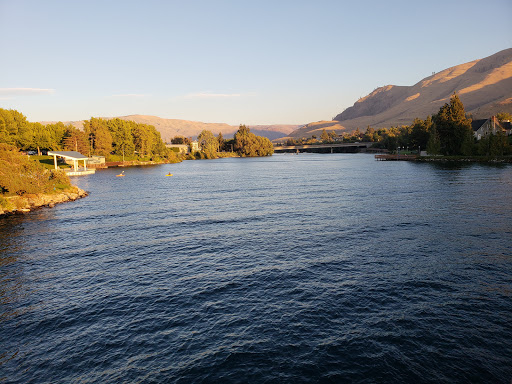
x,y
484,86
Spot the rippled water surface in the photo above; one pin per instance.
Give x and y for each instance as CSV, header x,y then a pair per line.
x,y
310,268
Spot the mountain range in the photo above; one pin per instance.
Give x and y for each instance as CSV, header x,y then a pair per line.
x,y
170,128
484,87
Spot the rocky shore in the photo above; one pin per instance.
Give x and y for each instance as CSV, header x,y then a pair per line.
x,y
29,202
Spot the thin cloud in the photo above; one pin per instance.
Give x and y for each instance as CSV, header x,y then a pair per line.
x,y
210,95
131,95
25,91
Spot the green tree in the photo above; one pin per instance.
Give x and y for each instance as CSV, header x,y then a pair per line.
x,y
97,130
8,127
178,140
247,144
455,132
50,136
325,136
122,137
504,116
15,129
21,175
208,143
75,140
420,132
221,141
434,142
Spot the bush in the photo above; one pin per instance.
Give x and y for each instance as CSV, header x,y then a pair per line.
x,y
20,175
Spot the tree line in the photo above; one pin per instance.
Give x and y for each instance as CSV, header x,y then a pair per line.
x,y
119,139
244,144
98,137
447,132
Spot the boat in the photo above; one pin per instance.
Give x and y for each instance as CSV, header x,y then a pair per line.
x,y
169,174
121,174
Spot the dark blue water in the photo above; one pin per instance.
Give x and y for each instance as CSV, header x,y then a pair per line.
x,y
289,269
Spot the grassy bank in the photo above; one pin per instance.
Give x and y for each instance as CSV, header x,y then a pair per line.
x,y
24,177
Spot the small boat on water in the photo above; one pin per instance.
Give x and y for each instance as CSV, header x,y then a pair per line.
x,y
169,174
121,174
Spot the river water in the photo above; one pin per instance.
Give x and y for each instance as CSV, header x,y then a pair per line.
x,y
287,269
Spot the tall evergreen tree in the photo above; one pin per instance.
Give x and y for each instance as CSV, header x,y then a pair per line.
x,y
220,139
455,133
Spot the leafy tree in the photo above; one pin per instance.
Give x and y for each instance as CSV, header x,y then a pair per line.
x,y
122,137
434,142
8,127
75,140
369,134
325,136
494,145
97,130
20,175
15,129
208,143
247,144
49,136
420,132
504,116
178,140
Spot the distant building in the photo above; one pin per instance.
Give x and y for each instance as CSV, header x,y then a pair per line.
x,y
484,127
194,146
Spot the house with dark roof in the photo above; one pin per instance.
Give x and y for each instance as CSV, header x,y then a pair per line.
x,y
484,127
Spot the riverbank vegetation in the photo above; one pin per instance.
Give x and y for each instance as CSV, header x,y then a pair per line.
x,y
447,133
20,174
113,138
244,144
23,178
123,140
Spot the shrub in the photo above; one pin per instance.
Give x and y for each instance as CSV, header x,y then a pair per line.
x,y
20,175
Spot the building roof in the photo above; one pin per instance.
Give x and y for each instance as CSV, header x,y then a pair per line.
x,y
476,124
72,155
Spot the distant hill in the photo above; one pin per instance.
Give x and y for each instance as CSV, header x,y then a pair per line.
x,y
170,128
484,86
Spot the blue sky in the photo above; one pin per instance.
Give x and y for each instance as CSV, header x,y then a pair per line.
x,y
249,62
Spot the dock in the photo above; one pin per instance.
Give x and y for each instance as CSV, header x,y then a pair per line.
x,y
80,172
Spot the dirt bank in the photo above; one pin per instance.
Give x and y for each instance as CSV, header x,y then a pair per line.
x,y
27,203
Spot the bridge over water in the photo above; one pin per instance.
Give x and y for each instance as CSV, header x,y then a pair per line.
x,y
324,148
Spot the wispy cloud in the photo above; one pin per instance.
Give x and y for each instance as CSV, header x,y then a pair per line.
x,y
25,91
130,95
211,95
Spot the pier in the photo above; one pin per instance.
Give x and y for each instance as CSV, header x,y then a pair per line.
x,y
396,157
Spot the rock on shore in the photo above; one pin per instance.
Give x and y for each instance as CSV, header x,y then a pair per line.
x,y
27,203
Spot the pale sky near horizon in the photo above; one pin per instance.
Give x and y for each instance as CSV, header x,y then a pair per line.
x,y
235,62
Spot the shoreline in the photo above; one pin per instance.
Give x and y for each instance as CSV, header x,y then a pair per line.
x,y
28,203
446,159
